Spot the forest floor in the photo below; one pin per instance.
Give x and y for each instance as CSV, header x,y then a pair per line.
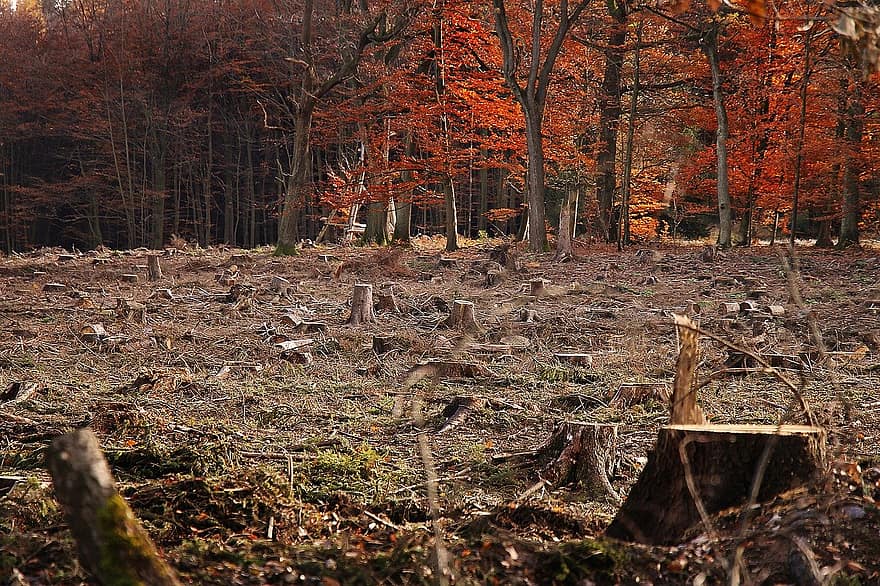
x,y
248,466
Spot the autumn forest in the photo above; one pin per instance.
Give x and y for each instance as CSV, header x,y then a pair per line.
x,y
253,122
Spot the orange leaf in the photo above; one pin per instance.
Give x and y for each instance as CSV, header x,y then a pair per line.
x,y
714,5
757,11
679,6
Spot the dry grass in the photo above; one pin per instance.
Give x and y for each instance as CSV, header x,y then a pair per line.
x,y
195,400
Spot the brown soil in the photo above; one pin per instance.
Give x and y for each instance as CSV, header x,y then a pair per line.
x,y
249,467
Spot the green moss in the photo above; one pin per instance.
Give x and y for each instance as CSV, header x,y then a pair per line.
x,y
124,547
573,562
286,250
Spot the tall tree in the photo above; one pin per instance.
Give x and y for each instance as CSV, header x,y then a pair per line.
x,y
312,86
531,94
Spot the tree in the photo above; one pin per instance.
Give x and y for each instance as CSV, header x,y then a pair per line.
x,y
312,86
532,96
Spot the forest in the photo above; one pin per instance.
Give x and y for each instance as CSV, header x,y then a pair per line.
x,y
251,122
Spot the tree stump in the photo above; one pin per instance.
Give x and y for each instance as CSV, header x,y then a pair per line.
x,y
128,278
361,304
537,287
446,263
528,316
384,343
462,316
54,287
494,278
683,406
720,462
280,286
575,358
582,454
112,544
386,301
154,269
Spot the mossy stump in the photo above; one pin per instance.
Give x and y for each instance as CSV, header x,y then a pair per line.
x,y
112,544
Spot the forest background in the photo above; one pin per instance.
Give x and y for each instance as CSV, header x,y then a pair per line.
x,y
256,121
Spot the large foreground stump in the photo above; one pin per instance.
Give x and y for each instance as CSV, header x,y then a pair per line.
x,y
720,463
581,454
111,542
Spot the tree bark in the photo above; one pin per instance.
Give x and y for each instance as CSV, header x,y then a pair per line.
x,y
717,464
852,213
582,454
532,97
609,118
710,48
112,544
361,304
564,250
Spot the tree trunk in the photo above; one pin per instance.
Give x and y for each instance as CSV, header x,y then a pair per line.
x,y
361,304
582,454
564,250
718,464
297,181
376,230
849,224
623,226
710,48
609,119
112,544
451,216
536,189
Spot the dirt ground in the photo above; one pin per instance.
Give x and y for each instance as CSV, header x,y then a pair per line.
x,y
252,464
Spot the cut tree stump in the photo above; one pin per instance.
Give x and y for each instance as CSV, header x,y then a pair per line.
x,y
574,358
385,301
683,408
537,287
280,286
112,544
361,304
93,332
462,316
528,316
154,269
128,278
720,462
384,343
446,263
581,454
54,287
494,278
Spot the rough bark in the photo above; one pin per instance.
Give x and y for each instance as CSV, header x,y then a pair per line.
x,y
609,118
112,544
582,454
564,250
718,464
361,304
462,316
154,269
710,48
683,408
855,125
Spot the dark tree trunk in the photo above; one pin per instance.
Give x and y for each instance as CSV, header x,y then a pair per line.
x,y
609,119
710,48
855,124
